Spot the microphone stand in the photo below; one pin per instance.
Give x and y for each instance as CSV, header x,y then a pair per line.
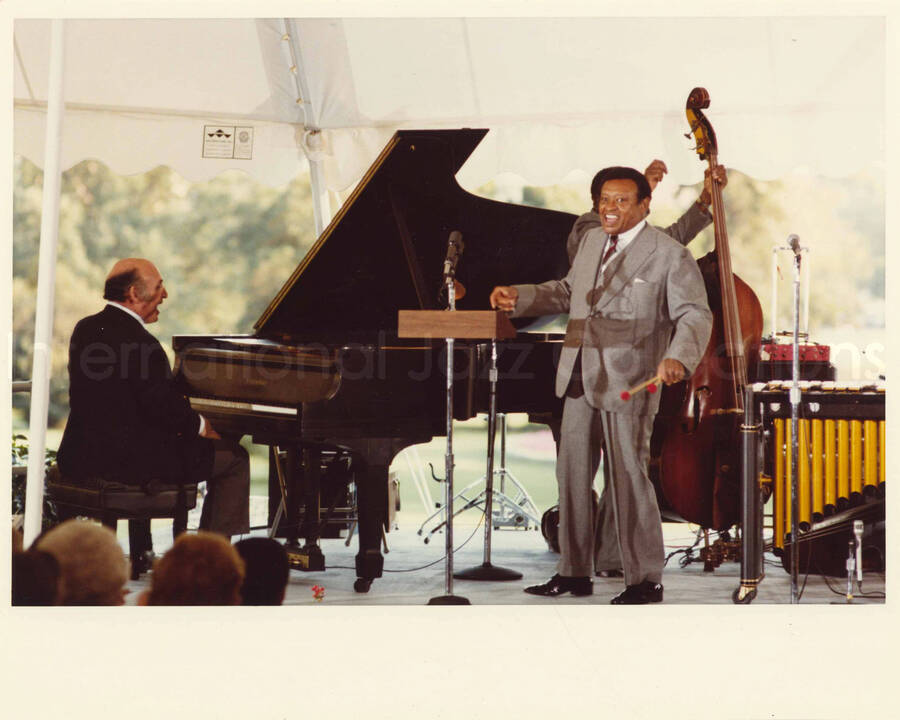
x,y
486,571
854,560
449,598
795,428
851,570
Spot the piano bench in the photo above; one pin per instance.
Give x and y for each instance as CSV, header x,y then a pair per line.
x,y
109,501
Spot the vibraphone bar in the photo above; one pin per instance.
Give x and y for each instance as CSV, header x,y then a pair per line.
x,y
841,449
841,462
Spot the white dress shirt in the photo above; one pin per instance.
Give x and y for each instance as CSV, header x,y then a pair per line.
x,y
624,238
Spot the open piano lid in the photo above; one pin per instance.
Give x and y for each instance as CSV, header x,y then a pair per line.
x,y
384,250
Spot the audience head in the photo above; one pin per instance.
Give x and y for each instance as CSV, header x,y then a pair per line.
x,y
267,569
93,568
200,569
35,578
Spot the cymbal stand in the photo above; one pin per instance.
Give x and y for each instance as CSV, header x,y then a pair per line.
x,y
414,464
449,598
517,511
486,571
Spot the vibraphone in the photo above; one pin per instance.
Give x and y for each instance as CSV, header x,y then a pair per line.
x,y
841,464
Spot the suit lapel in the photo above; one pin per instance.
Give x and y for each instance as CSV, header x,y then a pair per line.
x,y
589,258
623,268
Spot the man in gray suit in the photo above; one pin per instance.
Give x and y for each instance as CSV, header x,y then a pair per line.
x,y
637,308
607,558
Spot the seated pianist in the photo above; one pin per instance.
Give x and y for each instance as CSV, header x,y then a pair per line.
x,y
129,424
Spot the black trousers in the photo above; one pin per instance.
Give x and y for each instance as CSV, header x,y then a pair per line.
x,y
139,538
197,460
225,465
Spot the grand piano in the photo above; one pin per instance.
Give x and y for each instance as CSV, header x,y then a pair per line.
x,y
324,366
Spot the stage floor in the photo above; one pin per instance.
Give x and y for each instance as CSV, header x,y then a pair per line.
x,y
415,571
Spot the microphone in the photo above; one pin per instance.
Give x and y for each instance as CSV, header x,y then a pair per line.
x,y
858,533
455,248
794,242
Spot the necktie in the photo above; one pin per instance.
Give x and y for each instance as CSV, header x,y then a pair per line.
x,y
601,269
613,239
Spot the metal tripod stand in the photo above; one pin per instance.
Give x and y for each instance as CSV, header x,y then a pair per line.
x,y
510,511
486,571
516,510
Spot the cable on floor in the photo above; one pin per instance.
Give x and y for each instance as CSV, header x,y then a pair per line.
x,y
423,567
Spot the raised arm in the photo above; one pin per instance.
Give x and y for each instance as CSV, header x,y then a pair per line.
x,y
697,216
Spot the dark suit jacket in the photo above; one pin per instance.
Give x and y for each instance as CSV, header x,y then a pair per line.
x,y
127,421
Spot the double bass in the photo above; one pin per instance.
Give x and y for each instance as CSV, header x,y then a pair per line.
x,y
695,446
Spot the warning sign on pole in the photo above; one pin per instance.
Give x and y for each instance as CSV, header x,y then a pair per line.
x,y
221,141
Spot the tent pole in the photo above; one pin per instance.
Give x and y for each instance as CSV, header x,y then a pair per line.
x,y
321,208
43,318
312,135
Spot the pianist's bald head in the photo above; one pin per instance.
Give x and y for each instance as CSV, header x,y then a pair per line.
x,y
125,274
136,284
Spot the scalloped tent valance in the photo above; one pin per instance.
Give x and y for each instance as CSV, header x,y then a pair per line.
x,y
558,94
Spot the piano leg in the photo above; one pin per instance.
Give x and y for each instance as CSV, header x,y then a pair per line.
x,y
304,470
372,500
292,485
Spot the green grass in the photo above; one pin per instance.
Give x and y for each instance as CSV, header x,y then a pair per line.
x,y
530,458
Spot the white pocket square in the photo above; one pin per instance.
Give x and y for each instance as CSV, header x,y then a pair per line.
x,y
638,280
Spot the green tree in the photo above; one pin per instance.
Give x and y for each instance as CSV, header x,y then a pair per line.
x,y
835,219
224,247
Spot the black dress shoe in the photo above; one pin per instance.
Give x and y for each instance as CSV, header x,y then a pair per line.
x,y
559,585
142,563
614,573
640,594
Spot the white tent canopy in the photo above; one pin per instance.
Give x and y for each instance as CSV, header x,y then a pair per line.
x,y
558,94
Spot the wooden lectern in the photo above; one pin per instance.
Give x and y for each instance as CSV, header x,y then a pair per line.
x,y
458,324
